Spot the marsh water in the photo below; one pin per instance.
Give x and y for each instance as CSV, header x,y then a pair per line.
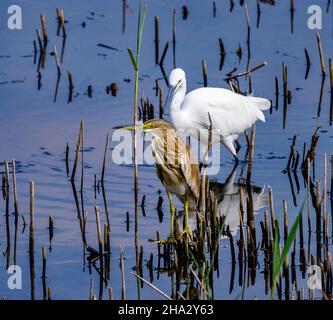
x,y
35,128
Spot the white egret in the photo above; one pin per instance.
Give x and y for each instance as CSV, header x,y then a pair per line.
x,y
231,113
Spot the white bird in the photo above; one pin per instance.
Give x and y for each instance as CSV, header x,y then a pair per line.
x,y
231,113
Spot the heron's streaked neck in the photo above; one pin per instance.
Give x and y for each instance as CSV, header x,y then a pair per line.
x,y
176,102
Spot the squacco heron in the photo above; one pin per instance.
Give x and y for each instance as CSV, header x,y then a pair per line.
x,y
176,167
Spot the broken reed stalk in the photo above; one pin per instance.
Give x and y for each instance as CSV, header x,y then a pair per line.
x,y
42,18
308,62
51,227
156,40
32,239
44,262
61,21
248,23
292,14
67,158
78,144
82,161
70,86
285,220
204,72
152,286
292,152
271,206
222,48
160,91
251,154
286,263
104,158
56,59
174,37
99,236
325,215
331,176
39,40
245,73
7,193
7,186
285,80
331,75
164,53
123,284
331,85
49,293
285,93
14,187
308,194
322,60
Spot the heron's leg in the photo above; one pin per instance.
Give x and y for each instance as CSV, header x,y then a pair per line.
x,y
172,215
186,230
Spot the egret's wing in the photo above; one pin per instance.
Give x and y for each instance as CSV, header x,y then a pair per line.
x,y
190,170
231,113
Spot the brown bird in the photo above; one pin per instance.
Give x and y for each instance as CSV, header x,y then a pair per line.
x,y
176,166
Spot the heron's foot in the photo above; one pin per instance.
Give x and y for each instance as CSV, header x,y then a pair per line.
x,y
185,233
171,240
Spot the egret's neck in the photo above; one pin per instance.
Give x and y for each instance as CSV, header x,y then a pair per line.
x,y
176,103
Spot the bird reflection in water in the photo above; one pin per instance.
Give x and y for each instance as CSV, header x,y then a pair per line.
x,y
228,202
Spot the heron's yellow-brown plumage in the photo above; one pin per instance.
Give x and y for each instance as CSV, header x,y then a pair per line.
x,y
176,164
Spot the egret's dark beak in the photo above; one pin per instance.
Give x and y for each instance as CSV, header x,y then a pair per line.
x,y
169,96
172,91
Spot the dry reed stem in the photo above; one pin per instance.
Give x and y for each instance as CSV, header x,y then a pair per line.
x,y
32,239
42,18
77,151
56,59
123,283
105,156
322,60
14,187
152,286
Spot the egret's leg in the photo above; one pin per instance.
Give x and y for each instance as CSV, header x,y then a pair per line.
x,y
203,162
238,146
236,160
186,230
202,165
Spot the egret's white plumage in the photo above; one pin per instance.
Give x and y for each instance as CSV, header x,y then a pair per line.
x,y
231,113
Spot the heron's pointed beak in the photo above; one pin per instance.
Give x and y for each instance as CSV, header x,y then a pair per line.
x,y
139,127
128,127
